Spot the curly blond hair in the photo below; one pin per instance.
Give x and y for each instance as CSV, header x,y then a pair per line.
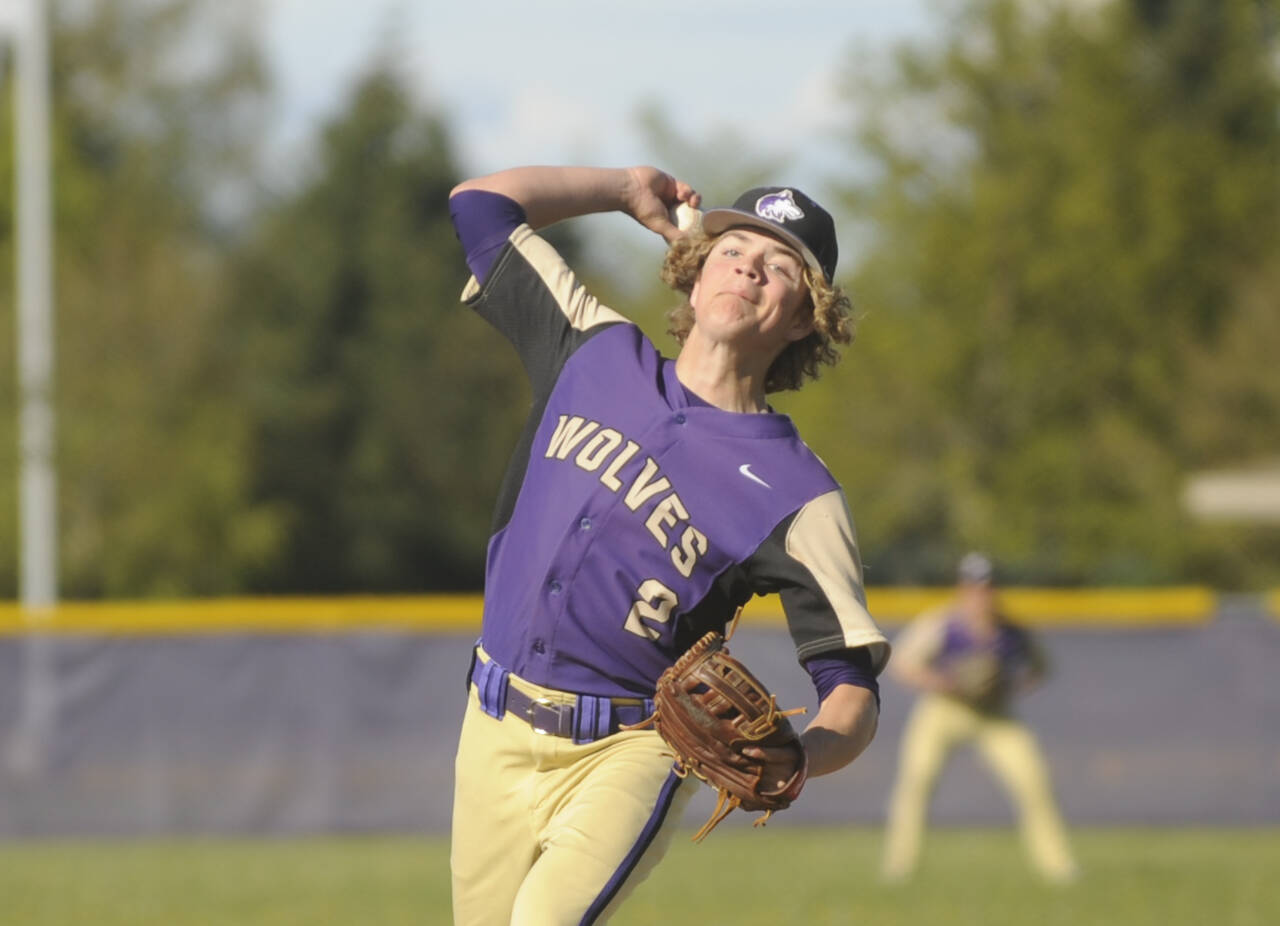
x,y
799,361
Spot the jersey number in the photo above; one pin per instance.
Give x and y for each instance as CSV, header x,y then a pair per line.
x,y
655,603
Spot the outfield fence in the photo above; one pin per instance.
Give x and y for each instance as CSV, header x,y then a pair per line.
x,y
340,714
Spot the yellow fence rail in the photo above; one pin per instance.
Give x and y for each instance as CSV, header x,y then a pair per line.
x,y
1059,607
461,613
1188,605
250,615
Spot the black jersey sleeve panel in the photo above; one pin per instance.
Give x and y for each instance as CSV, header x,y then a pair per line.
x,y
534,300
1034,656
811,560
518,465
537,302
730,591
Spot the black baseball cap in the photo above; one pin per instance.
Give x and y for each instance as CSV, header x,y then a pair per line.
x,y
787,213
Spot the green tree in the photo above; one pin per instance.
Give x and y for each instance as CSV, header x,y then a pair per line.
x,y
383,411
146,136
1074,214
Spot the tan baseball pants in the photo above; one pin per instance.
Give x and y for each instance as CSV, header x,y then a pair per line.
x,y
549,833
938,725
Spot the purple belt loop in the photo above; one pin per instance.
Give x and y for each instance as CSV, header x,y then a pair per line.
x,y
592,716
491,684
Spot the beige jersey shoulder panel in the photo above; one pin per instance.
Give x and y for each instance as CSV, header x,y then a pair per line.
x,y
581,308
822,538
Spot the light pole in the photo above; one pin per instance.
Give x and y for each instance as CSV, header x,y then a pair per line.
x,y
38,570
38,496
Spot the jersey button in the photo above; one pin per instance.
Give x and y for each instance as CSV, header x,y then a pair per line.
x,y
539,647
555,587
585,524
679,419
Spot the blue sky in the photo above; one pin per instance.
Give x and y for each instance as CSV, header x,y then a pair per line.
x,y
560,81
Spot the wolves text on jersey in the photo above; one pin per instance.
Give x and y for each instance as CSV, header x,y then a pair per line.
x,y
605,451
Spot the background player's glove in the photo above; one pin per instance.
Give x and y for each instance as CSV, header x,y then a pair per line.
x,y
978,681
709,708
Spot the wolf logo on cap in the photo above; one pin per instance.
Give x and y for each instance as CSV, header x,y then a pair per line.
x,y
779,207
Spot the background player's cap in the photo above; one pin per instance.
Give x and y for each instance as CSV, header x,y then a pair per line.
x,y
787,213
975,569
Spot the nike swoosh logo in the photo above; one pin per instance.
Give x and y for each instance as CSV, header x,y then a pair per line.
x,y
745,469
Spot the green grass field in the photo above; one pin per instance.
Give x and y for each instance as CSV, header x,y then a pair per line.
x,y
779,876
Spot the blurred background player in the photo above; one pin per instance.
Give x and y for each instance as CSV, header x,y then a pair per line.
x,y
969,663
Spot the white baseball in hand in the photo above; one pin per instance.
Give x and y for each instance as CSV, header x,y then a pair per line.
x,y
685,217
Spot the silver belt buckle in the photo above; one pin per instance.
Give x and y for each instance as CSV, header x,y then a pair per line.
x,y
541,702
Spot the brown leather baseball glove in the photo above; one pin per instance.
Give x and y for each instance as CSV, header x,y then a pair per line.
x,y
709,708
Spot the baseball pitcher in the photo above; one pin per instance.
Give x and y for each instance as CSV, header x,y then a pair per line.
x,y
647,500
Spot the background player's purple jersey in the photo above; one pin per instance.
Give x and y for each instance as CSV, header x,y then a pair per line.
x,y
635,516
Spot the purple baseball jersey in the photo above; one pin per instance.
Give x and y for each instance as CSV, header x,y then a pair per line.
x,y
634,516
940,639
